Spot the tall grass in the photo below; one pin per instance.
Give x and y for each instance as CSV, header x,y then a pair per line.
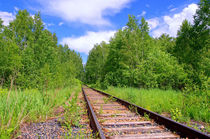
x,y
29,105
175,103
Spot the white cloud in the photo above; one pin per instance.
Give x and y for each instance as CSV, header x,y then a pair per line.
x,y
174,9
170,6
60,24
6,17
171,23
153,23
16,8
124,27
142,14
50,24
90,12
85,43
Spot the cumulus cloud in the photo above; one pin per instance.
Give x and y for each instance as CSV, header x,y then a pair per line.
x,y
6,17
153,23
171,23
90,12
85,43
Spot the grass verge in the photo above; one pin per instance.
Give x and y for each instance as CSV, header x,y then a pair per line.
x,y
31,105
176,105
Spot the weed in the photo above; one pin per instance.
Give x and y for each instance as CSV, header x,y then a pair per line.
x,y
101,109
176,114
191,106
106,100
109,99
72,112
146,116
112,99
133,109
3,91
28,105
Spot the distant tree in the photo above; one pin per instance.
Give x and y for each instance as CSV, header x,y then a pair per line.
x,y
166,43
95,64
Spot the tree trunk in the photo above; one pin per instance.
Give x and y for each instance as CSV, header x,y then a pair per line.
x,y
2,82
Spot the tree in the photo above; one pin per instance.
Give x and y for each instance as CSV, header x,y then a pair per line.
x,y
95,63
31,58
200,29
166,43
135,59
10,62
192,45
183,50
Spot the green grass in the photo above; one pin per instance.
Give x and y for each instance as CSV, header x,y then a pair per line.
x,y
181,108
29,105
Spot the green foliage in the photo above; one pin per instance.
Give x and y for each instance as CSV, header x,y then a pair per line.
x,y
192,46
29,105
133,58
3,91
176,114
182,106
95,63
146,116
31,58
72,112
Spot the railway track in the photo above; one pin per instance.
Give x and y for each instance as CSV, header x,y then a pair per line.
x,y
113,118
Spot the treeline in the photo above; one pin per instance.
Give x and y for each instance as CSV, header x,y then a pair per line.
x,y
31,58
134,58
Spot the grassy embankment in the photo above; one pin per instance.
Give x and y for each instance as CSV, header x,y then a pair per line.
x,y
175,104
29,105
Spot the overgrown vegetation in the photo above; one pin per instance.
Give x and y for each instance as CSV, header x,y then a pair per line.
x,y
181,107
133,58
31,58
29,105
75,111
36,74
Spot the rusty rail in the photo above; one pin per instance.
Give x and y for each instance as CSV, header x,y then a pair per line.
x,y
182,130
93,119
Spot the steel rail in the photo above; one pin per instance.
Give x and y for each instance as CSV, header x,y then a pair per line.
x,y
182,130
93,119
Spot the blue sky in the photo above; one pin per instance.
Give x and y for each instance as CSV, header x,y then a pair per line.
x,y
82,23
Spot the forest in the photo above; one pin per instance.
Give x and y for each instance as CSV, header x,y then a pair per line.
x,y
32,58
